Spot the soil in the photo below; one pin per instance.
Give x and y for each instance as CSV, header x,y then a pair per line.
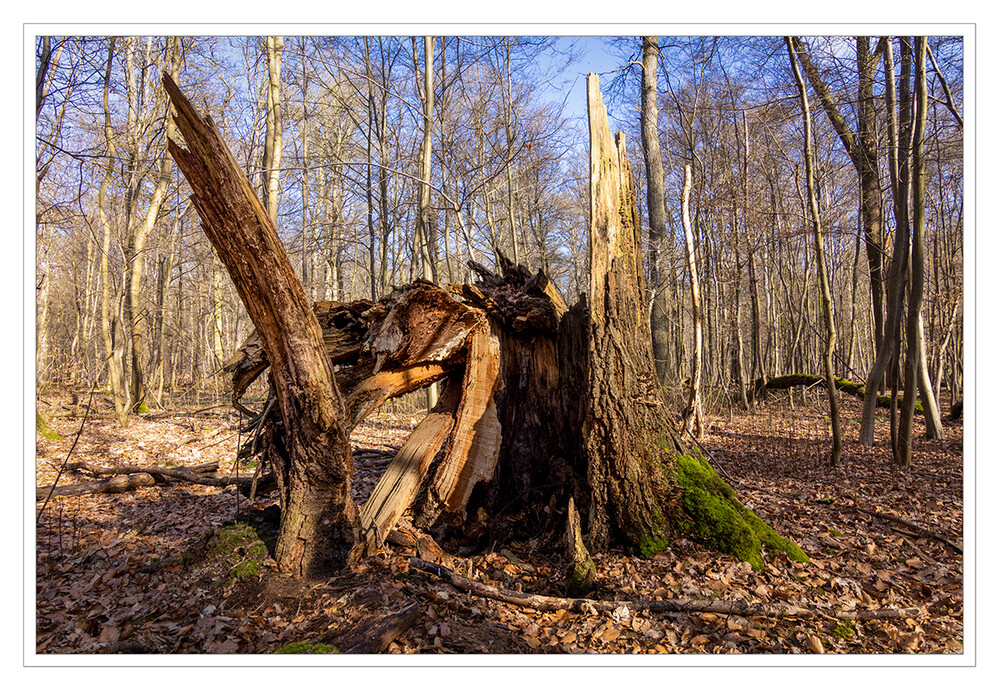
x,y
131,573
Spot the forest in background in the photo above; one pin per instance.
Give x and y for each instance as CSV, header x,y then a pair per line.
x,y
384,159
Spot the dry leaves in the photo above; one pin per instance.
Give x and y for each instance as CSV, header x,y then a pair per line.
x,y
111,570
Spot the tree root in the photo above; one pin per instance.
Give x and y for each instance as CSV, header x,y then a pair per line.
x,y
741,608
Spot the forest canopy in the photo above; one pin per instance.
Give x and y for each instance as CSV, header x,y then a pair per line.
x,y
330,130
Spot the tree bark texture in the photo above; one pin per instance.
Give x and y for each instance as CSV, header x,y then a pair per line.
x,y
914,317
820,263
319,523
656,202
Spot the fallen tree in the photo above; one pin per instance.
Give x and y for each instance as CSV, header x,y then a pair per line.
x,y
541,403
857,390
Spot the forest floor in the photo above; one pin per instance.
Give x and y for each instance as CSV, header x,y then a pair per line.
x,y
137,572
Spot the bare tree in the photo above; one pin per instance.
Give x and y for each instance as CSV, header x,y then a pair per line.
x,y
820,260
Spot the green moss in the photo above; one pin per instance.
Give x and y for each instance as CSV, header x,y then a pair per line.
x,y
236,539
581,577
307,648
845,631
885,401
244,571
237,547
143,408
722,521
43,429
649,546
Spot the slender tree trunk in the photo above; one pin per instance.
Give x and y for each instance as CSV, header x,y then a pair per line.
x,y
113,343
899,147
862,149
918,271
931,411
692,421
820,262
426,236
273,136
655,200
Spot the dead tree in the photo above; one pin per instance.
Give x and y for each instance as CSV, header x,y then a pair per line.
x,y
319,522
541,403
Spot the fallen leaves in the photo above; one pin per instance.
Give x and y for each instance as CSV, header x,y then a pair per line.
x,y
98,587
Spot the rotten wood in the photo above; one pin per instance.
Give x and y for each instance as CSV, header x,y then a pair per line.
x,y
373,635
404,475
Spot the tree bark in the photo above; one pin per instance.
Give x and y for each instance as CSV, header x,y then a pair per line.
x,y
656,202
319,521
273,136
862,149
820,263
543,403
914,316
692,414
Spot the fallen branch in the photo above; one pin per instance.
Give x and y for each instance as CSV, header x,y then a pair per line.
x,y
747,609
918,529
113,485
790,380
104,471
374,635
125,479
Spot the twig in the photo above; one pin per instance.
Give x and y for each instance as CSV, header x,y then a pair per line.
x,y
905,523
742,608
714,463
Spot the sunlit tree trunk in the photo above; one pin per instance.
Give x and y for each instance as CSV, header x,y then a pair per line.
x,y
820,262
655,200
692,421
274,133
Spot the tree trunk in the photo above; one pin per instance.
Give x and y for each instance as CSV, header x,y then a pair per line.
x,y
272,143
899,150
655,200
114,344
862,149
319,521
543,403
692,414
820,263
914,317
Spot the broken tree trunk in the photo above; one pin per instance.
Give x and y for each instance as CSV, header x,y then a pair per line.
x,y
319,521
542,403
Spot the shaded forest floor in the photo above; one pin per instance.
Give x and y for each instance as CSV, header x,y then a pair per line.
x,y
136,571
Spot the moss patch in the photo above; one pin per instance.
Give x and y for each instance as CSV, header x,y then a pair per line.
x,y
649,546
237,546
308,648
722,521
43,430
844,631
